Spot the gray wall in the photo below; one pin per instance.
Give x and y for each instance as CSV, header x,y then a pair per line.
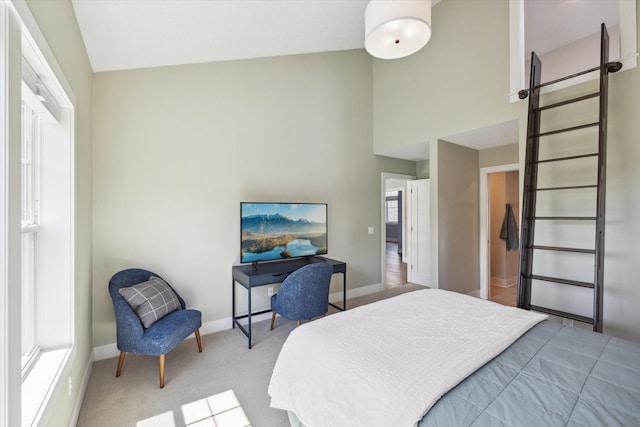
x,y
458,226
422,169
178,148
503,155
622,293
392,232
458,82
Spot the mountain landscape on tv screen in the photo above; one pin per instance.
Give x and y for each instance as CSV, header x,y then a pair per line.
x,y
279,223
276,236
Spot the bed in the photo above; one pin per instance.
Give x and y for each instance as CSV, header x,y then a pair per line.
x,y
437,358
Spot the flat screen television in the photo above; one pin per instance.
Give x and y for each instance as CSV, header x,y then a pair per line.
x,y
277,231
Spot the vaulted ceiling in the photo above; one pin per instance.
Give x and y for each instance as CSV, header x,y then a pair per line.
x,y
150,33
129,34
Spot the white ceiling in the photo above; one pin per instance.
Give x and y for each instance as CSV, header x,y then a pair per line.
x,y
128,34
150,33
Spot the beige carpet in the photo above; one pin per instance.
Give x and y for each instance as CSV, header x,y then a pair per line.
x,y
226,364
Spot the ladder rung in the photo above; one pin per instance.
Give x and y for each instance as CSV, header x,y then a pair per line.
x,y
569,101
565,218
572,128
562,314
560,159
571,187
562,281
612,67
569,77
561,249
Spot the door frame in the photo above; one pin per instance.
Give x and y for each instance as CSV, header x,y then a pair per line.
x,y
485,242
383,228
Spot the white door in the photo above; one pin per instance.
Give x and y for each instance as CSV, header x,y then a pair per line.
x,y
418,232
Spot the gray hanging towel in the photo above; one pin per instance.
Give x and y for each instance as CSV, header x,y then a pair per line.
x,y
509,231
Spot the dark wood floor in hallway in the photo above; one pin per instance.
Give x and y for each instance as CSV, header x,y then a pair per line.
x,y
395,268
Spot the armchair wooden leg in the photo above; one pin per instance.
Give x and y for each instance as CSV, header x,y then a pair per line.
x,y
298,323
273,319
161,361
120,362
198,340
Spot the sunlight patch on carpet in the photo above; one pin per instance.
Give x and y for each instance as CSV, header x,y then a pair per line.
x,y
220,410
162,420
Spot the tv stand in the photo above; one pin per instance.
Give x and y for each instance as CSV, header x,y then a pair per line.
x,y
267,273
314,259
308,259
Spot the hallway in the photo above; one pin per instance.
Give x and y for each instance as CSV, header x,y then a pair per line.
x,y
395,268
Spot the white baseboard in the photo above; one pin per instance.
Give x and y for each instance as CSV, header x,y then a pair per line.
x,y
105,352
357,292
111,350
81,392
504,283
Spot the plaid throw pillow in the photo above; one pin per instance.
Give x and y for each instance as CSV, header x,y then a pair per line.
x,y
151,300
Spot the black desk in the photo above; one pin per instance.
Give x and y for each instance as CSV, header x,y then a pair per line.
x,y
275,272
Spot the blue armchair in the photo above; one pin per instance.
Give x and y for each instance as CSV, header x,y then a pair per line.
x,y
159,338
304,294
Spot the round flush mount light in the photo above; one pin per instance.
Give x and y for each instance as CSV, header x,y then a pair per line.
x,y
396,28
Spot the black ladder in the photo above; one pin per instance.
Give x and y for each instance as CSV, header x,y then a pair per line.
x,y
531,190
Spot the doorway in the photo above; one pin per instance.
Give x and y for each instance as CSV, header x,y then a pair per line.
x,y
393,214
499,263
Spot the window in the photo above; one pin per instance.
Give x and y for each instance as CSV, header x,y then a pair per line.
x,y
30,192
46,284
44,270
391,210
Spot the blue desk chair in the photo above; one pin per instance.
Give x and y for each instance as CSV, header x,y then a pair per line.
x,y
161,336
304,294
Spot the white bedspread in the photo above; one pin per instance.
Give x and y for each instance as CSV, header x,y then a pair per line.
x,y
385,364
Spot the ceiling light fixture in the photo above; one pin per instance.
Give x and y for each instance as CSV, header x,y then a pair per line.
x,y
396,28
